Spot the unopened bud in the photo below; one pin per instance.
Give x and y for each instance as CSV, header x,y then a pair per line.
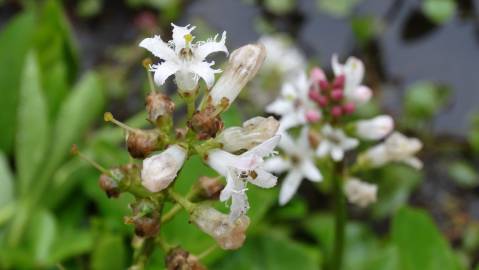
x,y
109,186
324,85
242,66
161,169
313,116
253,132
210,187
158,105
180,259
339,82
349,108
206,123
314,94
375,128
317,75
323,101
337,94
337,111
359,192
145,219
228,234
141,143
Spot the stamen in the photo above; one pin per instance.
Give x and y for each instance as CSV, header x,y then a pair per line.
x,y
188,39
74,150
108,117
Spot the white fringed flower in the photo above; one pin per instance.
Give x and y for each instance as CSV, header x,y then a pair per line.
x,y
241,169
242,66
294,103
184,58
359,192
229,234
299,163
353,71
161,169
396,148
282,56
253,132
334,143
375,128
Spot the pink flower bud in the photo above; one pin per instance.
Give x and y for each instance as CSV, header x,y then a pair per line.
x,y
337,111
339,82
324,85
349,108
323,101
317,75
313,94
313,116
337,94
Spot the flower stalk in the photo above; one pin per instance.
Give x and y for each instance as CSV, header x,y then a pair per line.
x,y
339,216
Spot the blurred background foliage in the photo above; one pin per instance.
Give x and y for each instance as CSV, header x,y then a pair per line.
x,y
63,63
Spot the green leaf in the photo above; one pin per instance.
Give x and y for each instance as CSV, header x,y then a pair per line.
x,y
464,174
70,243
280,7
337,8
15,40
271,251
42,235
109,253
439,11
365,28
420,244
32,126
6,182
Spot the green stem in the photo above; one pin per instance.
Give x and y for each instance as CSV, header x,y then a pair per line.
x,y
182,201
340,217
207,252
170,214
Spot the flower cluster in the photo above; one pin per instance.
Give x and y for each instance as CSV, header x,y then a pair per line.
x,y
237,154
325,113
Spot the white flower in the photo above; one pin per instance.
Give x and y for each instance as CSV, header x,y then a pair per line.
x,y
282,56
253,132
229,234
242,66
375,128
299,163
359,192
294,102
353,71
161,169
183,58
396,148
334,142
241,169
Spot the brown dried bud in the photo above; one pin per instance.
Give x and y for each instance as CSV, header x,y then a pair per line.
x,y
141,143
179,259
206,123
109,185
158,105
210,187
145,219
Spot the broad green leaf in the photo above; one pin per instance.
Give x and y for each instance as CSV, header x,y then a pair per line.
x,y
337,8
439,11
271,251
32,126
15,40
42,235
420,244
464,174
80,109
424,99
6,183
70,243
109,253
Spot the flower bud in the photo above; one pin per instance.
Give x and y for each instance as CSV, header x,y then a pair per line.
x,y
210,187
242,66
109,186
141,143
206,123
337,94
253,132
314,94
360,193
317,75
360,95
158,105
324,85
313,116
375,128
180,259
323,101
145,219
337,111
339,82
161,169
227,233
349,108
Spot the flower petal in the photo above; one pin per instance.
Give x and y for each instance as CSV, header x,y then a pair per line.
x,y
290,186
159,48
323,148
277,164
179,34
221,161
204,70
229,188
280,106
287,144
163,71
337,153
337,67
211,46
239,205
265,148
264,179
310,171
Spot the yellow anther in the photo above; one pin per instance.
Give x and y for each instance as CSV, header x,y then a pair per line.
x,y
188,38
